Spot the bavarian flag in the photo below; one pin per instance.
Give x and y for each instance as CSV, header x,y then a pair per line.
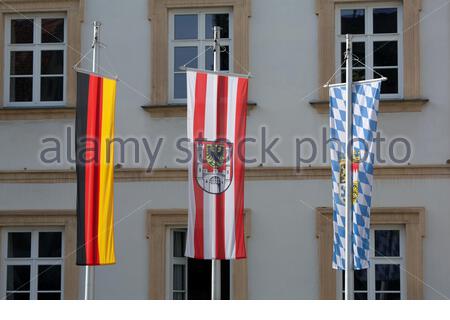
x,y
95,169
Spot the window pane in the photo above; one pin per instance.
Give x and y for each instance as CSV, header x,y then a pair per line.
x,y
183,55
358,75
385,20
179,86
18,278
22,31
50,244
19,244
18,296
391,84
385,53
179,277
387,243
52,62
21,63
52,88
360,296
387,277
352,21
178,296
186,26
52,30
179,239
49,296
359,280
388,296
224,59
49,277
21,89
219,20
359,50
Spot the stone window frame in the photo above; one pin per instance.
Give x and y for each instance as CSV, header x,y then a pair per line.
x,y
413,219
159,17
74,10
412,100
52,218
158,222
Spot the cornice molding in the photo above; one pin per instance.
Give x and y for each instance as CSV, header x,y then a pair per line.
x,y
251,174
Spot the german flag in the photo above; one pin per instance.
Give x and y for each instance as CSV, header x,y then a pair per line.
x,y
95,169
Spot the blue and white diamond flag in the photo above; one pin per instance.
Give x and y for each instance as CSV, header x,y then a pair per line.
x,y
365,98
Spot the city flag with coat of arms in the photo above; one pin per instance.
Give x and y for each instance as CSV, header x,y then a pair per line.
x,y
365,97
216,124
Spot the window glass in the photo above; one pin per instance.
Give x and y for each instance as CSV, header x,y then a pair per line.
x,y
19,244
179,243
388,296
224,59
186,26
21,89
179,275
358,75
219,20
52,88
385,53
18,278
52,62
183,55
18,296
52,30
22,31
21,63
359,50
179,84
352,21
49,277
50,244
391,84
49,296
387,243
387,277
385,20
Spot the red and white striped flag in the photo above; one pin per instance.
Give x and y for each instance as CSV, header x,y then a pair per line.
x,y
217,114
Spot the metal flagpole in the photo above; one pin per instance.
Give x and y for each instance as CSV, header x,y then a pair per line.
x,y
215,264
89,270
348,174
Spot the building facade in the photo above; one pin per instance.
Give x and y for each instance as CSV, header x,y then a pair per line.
x,y
291,48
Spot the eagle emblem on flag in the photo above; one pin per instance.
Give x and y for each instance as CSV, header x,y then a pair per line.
x,y
355,169
214,165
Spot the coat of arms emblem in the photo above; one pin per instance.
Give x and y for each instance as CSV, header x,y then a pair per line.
x,y
355,169
214,165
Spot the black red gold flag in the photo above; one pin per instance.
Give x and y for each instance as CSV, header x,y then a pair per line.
x,y
95,169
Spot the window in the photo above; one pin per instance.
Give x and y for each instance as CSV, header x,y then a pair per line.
x,y
32,266
191,35
377,42
190,278
385,279
35,60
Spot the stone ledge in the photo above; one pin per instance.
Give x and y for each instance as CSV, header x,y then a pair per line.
x,y
386,105
251,174
176,110
36,113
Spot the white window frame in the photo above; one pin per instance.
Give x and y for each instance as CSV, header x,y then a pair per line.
x,y
171,261
401,260
201,42
369,38
36,47
34,261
